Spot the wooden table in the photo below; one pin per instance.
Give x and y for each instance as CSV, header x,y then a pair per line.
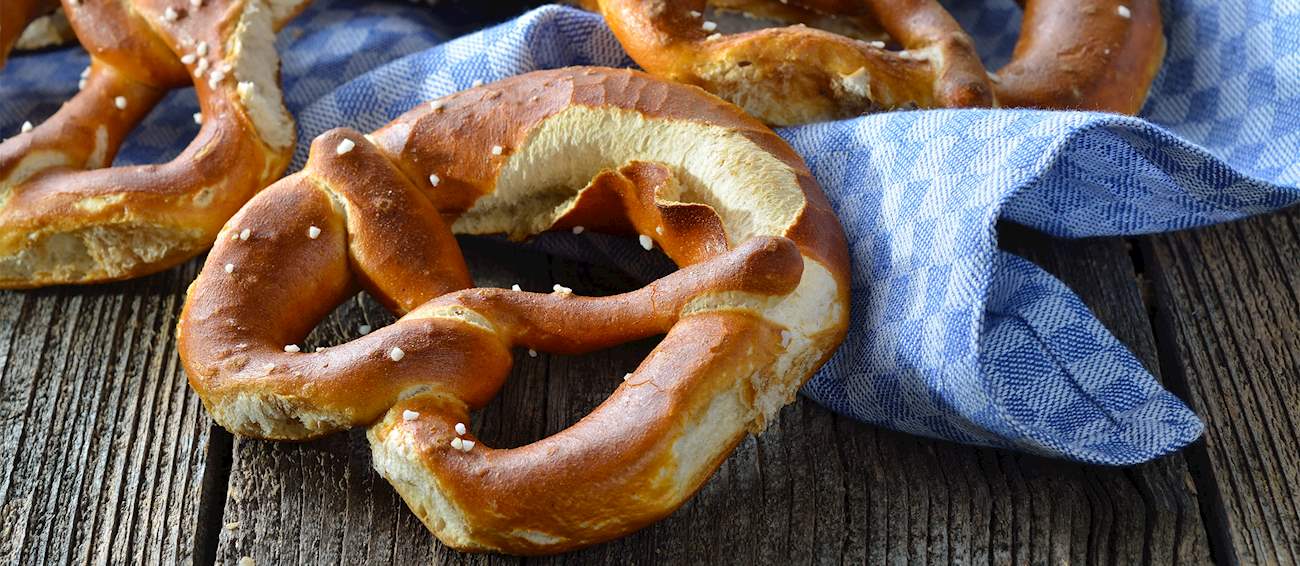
x,y
107,456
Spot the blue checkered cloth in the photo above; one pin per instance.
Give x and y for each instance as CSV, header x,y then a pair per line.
x,y
951,338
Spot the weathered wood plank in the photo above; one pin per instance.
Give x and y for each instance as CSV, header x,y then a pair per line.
x,y
814,487
1229,315
104,446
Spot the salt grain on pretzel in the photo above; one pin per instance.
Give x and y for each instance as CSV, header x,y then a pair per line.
x,y
67,217
613,150
1071,54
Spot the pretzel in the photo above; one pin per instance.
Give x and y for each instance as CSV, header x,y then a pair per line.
x,y
759,303
64,218
1091,55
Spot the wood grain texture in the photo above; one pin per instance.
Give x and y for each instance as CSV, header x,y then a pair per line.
x,y
1229,317
104,446
814,488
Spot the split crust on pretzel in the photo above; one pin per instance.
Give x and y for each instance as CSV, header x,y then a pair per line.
x,y
760,301
1091,55
49,30
65,218
15,17
27,25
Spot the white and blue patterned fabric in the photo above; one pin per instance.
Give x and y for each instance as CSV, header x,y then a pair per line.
x,y
950,337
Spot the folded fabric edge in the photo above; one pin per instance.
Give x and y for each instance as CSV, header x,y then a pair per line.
x,y
1202,182
1035,324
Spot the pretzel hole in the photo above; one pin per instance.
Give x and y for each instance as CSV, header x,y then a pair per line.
x,y
164,133
993,24
518,415
549,393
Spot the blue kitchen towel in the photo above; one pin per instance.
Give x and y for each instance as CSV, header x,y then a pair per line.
x,y
951,338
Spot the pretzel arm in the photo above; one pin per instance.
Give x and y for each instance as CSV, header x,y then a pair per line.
x,y
562,323
1099,55
84,134
927,30
854,70
558,493
402,273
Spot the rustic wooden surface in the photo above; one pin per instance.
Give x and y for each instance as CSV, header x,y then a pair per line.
x,y
1228,310
103,446
109,458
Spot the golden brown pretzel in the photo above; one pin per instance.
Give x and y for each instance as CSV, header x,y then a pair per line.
x,y
760,302
66,219
1095,55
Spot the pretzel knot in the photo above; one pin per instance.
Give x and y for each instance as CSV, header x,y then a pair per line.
x,y
1092,55
64,218
759,303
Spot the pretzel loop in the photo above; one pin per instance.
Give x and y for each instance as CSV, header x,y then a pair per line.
x,y
64,218
1100,55
758,303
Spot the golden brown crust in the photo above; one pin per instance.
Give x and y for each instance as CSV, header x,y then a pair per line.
x,y
761,300
1098,55
504,113
65,218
